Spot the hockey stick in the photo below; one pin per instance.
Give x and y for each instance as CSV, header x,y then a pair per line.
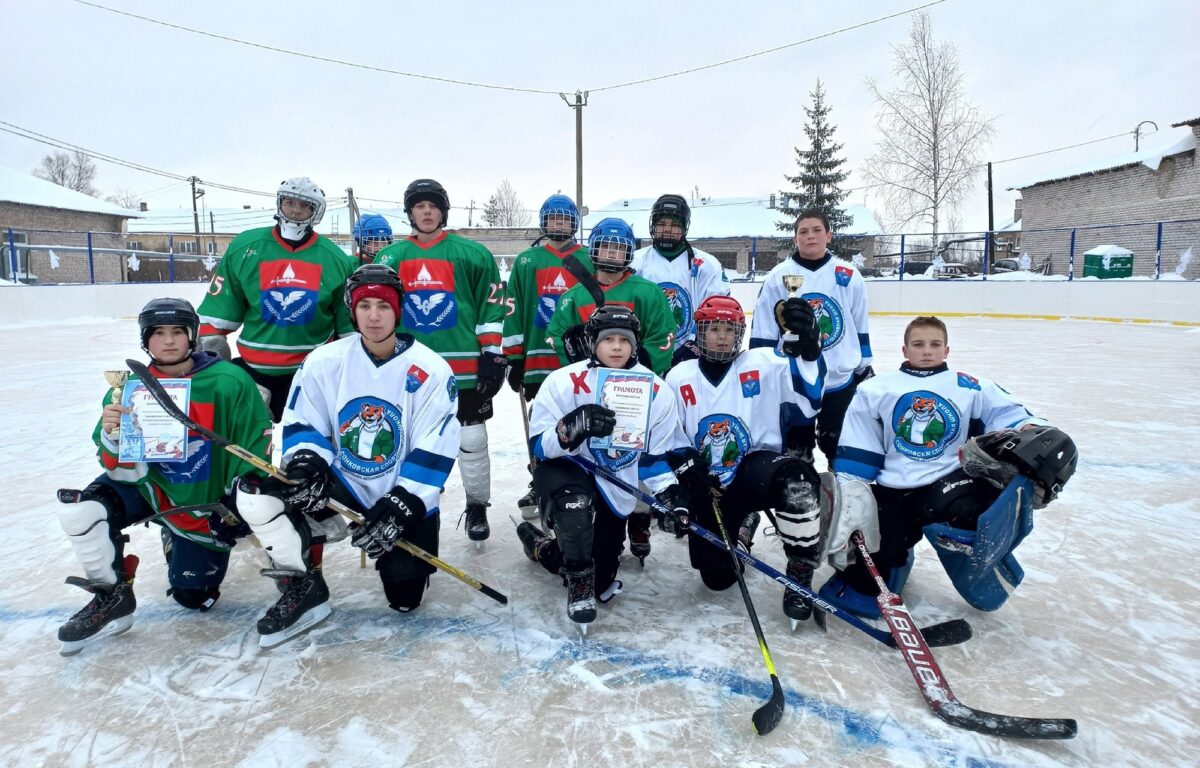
x,y
950,632
164,400
933,684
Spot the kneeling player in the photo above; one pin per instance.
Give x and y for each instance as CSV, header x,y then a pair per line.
x,y
370,423
732,404
587,512
222,396
904,432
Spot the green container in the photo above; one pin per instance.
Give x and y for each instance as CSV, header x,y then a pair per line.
x,y
1118,266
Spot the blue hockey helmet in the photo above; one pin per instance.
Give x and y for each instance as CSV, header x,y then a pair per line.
x,y
559,205
372,226
609,232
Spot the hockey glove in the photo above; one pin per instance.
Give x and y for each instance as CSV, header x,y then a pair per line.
x,y
675,518
516,374
490,377
863,374
574,344
689,351
695,482
385,522
796,316
309,489
978,458
226,528
586,421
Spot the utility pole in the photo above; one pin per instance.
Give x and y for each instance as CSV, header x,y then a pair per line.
x,y
196,195
581,99
471,214
991,257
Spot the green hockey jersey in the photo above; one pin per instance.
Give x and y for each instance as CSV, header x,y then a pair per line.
x,y
539,278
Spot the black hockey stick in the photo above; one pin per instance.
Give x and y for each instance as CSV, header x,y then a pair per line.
x,y
933,684
950,632
164,400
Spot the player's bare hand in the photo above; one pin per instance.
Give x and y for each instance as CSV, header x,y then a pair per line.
x,y
110,420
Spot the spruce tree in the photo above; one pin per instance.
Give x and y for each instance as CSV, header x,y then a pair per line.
x,y
818,184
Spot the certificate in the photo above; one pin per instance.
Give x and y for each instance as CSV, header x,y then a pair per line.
x,y
628,394
147,433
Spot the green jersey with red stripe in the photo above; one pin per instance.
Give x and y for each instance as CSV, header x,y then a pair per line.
x,y
453,299
537,281
646,300
289,300
223,398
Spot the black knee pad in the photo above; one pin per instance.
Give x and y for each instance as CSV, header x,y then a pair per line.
x,y
718,579
195,599
792,473
405,595
573,514
957,498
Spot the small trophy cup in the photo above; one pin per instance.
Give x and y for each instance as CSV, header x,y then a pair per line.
x,y
116,380
793,284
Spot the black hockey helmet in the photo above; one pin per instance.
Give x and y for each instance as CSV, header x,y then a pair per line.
x,y
427,190
1046,455
373,274
613,317
677,208
167,312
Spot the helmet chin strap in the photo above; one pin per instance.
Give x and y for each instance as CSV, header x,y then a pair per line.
x,y
290,230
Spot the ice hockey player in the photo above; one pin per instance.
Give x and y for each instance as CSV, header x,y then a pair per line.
x,y
454,304
539,277
611,244
586,512
370,423
282,286
732,403
222,396
838,296
372,233
686,275
898,469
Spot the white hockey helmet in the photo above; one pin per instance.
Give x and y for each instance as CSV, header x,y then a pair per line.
x,y
303,189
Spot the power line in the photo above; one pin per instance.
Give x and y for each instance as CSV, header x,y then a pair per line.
x,y
1072,146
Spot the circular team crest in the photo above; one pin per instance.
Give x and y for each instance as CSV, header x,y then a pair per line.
x,y
681,309
613,460
829,318
722,441
924,423
370,436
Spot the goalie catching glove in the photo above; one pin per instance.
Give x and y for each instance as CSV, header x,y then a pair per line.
x,y
1045,455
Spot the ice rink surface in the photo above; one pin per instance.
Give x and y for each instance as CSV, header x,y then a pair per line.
x,y
1103,629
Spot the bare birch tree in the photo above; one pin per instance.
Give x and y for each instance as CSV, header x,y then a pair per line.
x,y
75,171
504,209
933,138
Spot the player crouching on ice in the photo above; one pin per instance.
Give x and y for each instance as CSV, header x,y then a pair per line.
x,y
370,422
938,446
587,513
733,404
223,396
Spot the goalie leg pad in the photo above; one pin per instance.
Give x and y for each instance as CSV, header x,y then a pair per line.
x,y
474,462
284,541
980,562
840,590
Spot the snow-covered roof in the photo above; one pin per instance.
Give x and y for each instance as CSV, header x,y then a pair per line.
x,y
724,217
1173,141
1108,250
1193,121
1012,226
27,189
236,220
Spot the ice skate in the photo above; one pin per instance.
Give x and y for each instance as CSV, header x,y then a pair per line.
x,y
528,504
795,606
639,536
581,597
476,523
303,605
109,613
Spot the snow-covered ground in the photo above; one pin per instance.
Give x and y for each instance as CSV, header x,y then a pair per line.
x,y
1103,629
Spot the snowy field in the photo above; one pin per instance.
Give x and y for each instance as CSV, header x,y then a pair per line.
x,y
1102,630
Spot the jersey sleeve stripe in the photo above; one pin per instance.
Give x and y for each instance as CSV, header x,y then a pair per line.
x,y
858,462
295,435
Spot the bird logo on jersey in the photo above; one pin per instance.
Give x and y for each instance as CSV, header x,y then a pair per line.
x,y
829,318
289,291
681,309
924,423
192,468
370,437
722,441
429,303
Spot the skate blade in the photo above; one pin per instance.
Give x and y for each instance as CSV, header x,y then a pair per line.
x,y
530,513
309,620
583,629
111,629
819,619
795,623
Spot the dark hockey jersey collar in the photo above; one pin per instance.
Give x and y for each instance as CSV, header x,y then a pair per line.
x,y
812,266
924,372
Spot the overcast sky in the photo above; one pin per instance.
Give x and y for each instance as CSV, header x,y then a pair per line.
x,y
1053,74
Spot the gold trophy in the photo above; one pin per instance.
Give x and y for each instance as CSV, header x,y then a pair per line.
x,y
792,283
116,380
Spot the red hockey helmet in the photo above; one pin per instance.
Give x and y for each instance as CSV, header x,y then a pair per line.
x,y
712,311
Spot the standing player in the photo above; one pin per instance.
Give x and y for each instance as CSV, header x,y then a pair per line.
x,y
454,304
372,233
732,404
587,513
539,277
223,398
838,296
370,423
282,286
686,276
903,433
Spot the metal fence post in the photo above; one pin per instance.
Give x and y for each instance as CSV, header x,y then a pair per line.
x,y
987,249
753,253
171,267
91,261
1071,259
12,256
901,257
1158,253
171,254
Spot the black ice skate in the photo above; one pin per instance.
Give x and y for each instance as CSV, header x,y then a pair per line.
x,y
108,614
528,504
639,536
581,597
795,606
478,529
303,605
533,541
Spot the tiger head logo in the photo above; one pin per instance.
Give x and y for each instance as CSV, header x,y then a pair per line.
x,y
923,408
718,431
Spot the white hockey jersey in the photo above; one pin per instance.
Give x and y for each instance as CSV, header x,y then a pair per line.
x,y
761,395
685,282
378,426
566,389
904,428
838,296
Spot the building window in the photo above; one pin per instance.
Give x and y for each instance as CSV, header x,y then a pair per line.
x,y
187,246
135,245
211,248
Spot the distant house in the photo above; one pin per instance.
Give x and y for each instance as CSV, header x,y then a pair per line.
x,y
37,212
1159,183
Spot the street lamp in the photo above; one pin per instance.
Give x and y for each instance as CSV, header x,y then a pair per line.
x,y
1137,133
